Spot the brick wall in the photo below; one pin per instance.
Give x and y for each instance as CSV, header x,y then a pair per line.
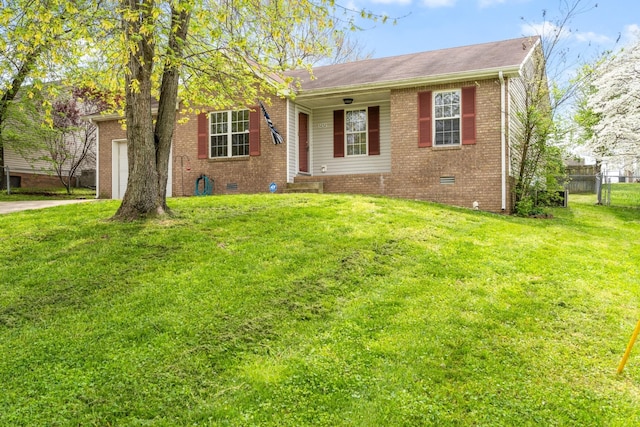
x,y
251,174
474,169
108,132
35,180
245,174
373,184
472,172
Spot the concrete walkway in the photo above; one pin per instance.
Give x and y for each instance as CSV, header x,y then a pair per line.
x,y
10,207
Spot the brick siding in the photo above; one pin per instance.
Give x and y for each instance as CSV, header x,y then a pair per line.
x,y
109,131
36,180
417,172
372,184
251,174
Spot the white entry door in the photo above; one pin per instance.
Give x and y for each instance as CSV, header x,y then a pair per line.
x,y
120,170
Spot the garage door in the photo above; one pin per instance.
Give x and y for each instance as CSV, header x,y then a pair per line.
x,y
121,168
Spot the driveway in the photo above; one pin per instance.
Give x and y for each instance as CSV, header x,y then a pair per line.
x,y
10,207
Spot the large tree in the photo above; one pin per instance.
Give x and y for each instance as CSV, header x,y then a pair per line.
x,y
204,53
610,112
56,139
38,38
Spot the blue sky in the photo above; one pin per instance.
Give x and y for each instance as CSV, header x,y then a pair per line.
x,y
437,24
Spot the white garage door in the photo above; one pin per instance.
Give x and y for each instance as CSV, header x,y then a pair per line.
x,y
121,168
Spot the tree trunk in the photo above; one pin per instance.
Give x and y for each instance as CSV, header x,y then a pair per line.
x,y
149,147
141,197
165,124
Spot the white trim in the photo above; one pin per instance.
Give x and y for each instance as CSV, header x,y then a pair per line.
x,y
433,114
529,55
366,132
288,156
229,134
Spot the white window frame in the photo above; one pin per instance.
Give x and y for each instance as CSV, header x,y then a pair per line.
x,y
365,132
443,117
228,133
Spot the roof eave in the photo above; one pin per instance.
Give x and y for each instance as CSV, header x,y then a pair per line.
x,y
102,117
509,71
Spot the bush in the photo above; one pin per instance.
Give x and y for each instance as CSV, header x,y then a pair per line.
x,y
528,207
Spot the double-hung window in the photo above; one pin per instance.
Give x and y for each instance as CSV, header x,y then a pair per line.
x,y
229,133
356,132
447,118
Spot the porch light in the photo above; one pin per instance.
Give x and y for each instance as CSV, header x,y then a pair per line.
x,y
347,100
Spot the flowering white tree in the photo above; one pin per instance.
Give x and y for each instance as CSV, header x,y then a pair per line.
x,y
614,101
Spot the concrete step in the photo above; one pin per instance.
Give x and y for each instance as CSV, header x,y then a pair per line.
x,y
304,187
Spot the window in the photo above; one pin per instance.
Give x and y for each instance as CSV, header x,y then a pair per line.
x,y
356,132
229,133
447,118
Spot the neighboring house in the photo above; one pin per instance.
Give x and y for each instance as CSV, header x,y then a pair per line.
x,y
432,126
29,171
29,160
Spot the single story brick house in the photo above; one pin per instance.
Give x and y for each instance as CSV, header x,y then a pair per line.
x,y
433,126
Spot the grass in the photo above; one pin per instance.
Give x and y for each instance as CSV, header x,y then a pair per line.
x,y
295,310
57,193
625,195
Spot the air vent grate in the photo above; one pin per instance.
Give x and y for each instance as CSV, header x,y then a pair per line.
x,y
447,180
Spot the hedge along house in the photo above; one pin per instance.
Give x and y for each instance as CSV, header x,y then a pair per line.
x,y
433,126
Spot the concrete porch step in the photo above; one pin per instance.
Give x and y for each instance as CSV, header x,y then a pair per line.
x,y
304,187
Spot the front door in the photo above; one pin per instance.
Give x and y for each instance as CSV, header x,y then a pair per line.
x,y
303,142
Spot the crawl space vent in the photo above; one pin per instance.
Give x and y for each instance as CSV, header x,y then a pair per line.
x,y
447,180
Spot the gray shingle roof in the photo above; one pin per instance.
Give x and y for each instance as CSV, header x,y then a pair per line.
x,y
507,54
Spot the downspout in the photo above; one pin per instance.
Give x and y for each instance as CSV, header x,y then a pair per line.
x,y
503,141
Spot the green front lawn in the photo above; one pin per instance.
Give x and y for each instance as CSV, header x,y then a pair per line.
x,y
58,193
296,310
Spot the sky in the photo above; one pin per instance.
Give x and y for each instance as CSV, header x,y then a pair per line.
x,y
424,25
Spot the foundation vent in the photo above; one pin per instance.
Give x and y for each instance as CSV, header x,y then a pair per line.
x,y
447,180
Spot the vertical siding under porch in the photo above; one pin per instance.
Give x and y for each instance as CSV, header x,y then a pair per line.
x,y
322,145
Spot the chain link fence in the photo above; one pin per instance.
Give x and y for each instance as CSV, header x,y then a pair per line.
x,y
623,191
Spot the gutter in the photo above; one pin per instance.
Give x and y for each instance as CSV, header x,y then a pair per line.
x,y
503,141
